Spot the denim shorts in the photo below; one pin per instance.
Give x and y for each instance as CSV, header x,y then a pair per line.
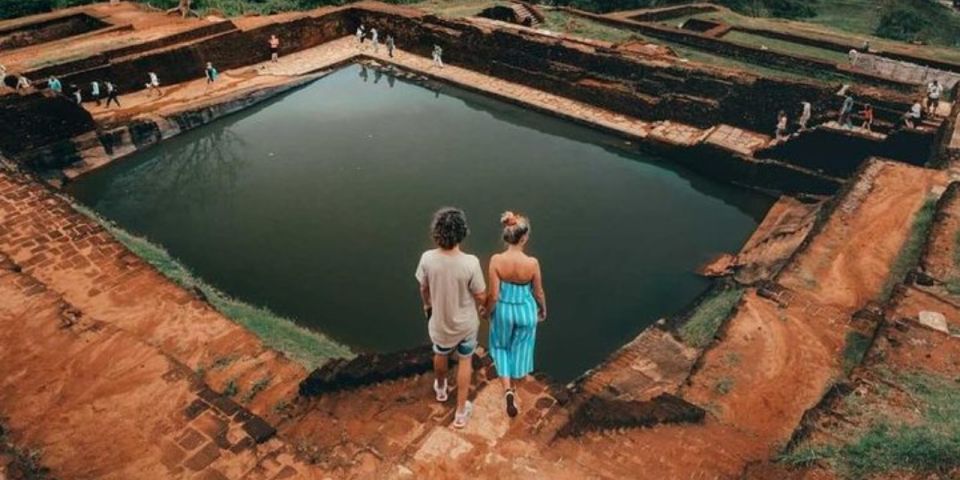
x,y
464,348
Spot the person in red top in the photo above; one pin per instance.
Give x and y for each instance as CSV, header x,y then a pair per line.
x,y
274,48
867,114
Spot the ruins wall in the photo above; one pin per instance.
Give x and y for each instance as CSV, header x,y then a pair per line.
x,y
48,30
660,14
38,129
647,89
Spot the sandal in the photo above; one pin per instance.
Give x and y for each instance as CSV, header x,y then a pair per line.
x,y
511,398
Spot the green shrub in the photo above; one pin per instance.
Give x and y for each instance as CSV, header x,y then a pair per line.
x,y
901,24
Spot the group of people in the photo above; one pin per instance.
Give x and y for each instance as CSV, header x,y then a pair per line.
x,y
362,34
456,296
910,119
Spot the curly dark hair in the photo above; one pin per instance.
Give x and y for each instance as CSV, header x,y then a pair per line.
x,y
449,227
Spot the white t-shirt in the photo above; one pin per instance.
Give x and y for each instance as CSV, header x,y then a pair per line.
x,y
453,279
934,91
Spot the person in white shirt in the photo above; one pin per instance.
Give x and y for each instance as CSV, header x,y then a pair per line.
x,y
95,91
934,91
805,115
153,84
453,291
375,39
913,116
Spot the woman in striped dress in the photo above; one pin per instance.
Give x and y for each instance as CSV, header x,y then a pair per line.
x,y
517,303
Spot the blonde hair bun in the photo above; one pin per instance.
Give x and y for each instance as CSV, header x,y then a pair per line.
x,y
508,218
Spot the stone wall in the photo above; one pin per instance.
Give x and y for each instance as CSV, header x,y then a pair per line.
x,y
37,129
648,89
231,49
48,30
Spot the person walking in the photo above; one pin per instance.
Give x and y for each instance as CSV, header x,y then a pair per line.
x,y
53,83
390,45
934,91
867,114
437,56
517,304
453,292
77,95
22,84
914,115
211,74
95,91
274,43
805,114
360,34
153,84
782,121
846,112
112,94
375,40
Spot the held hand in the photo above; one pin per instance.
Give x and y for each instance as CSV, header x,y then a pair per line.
x,y
427,311
542,315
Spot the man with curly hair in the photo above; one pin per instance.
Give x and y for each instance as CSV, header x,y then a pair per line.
x,y
453,292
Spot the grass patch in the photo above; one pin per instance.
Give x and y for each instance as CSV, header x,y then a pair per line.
x,y
724,386
928,446
702,325
231,389
257,387
910,253
307,347
562,22
854,348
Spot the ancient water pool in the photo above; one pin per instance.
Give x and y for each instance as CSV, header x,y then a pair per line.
x,y
316,205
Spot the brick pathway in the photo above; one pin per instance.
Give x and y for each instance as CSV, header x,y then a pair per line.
x,y
80,260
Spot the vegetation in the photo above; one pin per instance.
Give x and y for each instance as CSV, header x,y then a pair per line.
x,y
309,348
855,347
257,387
558,21
930,445
702,326
910,253
757,8
231,389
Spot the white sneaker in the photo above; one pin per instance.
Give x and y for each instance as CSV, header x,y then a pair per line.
x,y
461,417
440,391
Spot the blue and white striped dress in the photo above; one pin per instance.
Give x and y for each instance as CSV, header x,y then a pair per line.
x,y
513,330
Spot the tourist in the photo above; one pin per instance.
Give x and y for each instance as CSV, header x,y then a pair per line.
x,y
112,94
437,56
375,40
805,114
934,91
854,56
363,72
95,91
22,84
390,45
211,74
782,122
53,83
913,116
517,303
77,95
274,48
3,75
360,35
846,112
453,292
153,84
867,114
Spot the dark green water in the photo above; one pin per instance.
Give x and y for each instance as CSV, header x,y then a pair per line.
x,y
316,205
